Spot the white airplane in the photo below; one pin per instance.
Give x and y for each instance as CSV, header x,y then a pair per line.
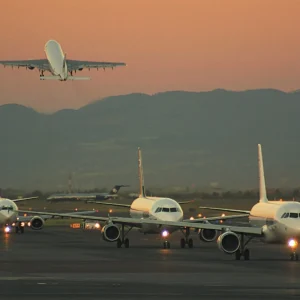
x,y
154,215
58,65
279,220
10,218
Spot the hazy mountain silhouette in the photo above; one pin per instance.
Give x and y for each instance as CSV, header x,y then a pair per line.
x,y
187,138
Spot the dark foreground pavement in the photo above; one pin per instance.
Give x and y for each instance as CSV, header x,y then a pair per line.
x,y
62,263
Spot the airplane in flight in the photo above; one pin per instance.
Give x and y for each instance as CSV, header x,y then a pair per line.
x,y
88,197
58,65
154,215
279,220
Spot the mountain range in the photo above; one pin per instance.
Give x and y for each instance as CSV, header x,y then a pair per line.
x,y
188,139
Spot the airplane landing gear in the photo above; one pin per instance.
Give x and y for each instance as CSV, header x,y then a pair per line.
x,y
19,228
166,244
242,251
294,256
186,241
123,241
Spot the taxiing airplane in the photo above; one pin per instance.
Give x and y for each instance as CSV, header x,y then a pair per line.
x,y
10,218
279,220
88,197
155,215
58,65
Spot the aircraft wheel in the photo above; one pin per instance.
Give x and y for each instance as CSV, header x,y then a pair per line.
x,y
126,243
182,243
246,254
294,256
119,243
166,245
17,229
238,255
190,243
22,229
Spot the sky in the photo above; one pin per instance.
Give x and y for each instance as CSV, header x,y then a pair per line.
x,y
192,45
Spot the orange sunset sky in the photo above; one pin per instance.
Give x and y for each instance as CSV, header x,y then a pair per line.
x,y
193,45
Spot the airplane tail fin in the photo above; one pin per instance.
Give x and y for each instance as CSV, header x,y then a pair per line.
x,y
141,174
261,176
116,189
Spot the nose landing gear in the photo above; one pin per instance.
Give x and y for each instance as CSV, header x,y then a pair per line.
x,y
294,256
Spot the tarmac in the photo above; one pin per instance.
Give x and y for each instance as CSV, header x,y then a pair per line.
x,y
64,263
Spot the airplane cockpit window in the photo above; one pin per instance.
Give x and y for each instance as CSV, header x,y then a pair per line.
x,y
294,215
6,207
166,209
285,215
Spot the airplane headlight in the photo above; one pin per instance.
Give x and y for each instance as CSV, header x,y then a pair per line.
x,y
7,229
165,233
292,243
97,225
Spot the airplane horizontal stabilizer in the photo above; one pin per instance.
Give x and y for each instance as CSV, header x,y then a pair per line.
x,y
49,77
78,78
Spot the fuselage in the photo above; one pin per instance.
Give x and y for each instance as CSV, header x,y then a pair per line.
x,y
56,59
155,208
8,212
280,220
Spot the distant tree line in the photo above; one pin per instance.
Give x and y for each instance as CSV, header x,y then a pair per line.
x,y
273,194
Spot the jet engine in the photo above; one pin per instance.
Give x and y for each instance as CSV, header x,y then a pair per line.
x,y
228,242
207,235
37,223
110,233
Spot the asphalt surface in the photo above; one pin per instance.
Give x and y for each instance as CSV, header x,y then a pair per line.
x,y
63,263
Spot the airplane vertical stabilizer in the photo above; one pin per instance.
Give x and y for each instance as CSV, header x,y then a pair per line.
x,y
141,175
261,176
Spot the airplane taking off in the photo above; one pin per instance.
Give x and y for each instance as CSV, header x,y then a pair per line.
x,y
280,220
113,193
58,65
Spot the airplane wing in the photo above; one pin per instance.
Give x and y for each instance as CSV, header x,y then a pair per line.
x,y
74,65
134,222
186,202
246,212
41,64
218,218
110,204
46,217
23,199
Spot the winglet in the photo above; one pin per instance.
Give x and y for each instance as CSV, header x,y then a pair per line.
x,y
261,176
141,175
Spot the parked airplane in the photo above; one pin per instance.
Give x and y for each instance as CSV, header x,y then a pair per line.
x,y
155,215
280,220
58,65
113,193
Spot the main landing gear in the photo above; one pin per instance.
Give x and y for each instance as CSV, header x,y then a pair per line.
x,y
186,241
123,241
242,251
19,228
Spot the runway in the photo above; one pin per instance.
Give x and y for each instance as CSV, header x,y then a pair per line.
x,y
64,263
